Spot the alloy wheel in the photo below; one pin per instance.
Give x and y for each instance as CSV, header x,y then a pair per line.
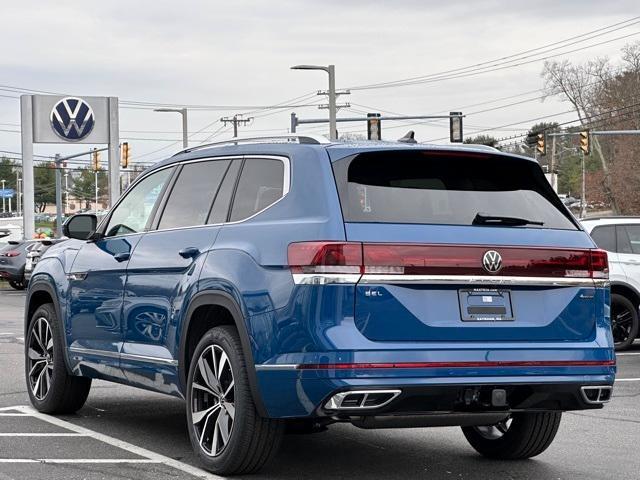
x,y
40,358
621,323
494,432
213,400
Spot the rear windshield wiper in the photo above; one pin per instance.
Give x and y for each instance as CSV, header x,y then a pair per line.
x,y
486,219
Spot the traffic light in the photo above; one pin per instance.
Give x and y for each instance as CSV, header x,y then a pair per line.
x,y
373,126
585,142
95,160
455,127
124,155
541,145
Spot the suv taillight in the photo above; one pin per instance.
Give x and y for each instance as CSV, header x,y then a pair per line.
x,y
325,257
599,264
415,259
11,253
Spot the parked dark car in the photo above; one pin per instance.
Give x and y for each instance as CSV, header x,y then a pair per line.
x,y
13,258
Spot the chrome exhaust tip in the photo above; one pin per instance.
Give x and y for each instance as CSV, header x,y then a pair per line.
x,y
596,394
361,399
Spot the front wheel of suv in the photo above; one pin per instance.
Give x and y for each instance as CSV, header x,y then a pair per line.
x,y
624,321
226,431
51,388
522,435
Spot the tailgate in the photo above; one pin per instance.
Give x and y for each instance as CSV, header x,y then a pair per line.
x,y
448,292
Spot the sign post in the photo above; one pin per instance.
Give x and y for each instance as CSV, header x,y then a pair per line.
x,y
28,192
66,120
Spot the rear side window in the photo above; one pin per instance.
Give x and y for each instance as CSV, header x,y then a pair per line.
x,y
261,184
222,202
628,239
445,188
605,237
193,193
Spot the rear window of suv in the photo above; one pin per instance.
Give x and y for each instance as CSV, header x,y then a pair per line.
x,y
448,188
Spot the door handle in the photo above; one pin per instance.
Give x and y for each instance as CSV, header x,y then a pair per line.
x,y
189,252
122,256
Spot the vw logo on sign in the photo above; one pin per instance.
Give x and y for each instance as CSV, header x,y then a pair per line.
x,y
72,119
492,261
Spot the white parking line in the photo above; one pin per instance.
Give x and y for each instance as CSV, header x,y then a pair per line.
x,y
151,457
42,435
77,460
627,380
627,353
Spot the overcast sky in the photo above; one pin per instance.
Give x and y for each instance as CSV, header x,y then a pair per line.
x,y
238,53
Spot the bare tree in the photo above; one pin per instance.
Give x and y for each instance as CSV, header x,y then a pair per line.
x,y
631,57
582,86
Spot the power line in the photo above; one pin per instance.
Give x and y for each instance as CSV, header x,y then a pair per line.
x,y
491,64
633,108
135,104
472,73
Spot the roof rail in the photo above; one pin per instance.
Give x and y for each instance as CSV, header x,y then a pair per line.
x,y
308,139
478,146
611,217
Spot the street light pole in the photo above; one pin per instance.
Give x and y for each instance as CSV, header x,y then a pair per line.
x,y
18,194
58,164
66,192
3,204
333,134
331,71
183,112
95,209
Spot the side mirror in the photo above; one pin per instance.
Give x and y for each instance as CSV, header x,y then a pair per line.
x,y
80,226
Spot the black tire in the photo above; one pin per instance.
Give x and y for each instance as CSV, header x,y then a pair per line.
x,y
16,285
624,321
251,439
64,393
525,436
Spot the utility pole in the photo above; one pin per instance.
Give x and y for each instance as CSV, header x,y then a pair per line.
x,y
235,120
583,200
3,204
554,178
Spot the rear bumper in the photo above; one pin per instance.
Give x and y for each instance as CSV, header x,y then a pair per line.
x,y
532,380
475,399
15,275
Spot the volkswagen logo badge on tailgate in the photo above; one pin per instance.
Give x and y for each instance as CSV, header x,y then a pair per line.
x,y
492,261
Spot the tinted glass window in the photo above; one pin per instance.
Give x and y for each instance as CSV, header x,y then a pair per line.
x,y
193,193
220,209
630,241
260,185
440,188
605,237
133,212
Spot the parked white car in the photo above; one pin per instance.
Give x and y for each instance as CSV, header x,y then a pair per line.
x,y
620,237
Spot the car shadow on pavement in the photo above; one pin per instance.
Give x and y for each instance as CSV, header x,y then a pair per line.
x,y
159,423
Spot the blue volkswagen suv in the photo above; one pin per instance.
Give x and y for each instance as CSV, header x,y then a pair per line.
x,y
291,281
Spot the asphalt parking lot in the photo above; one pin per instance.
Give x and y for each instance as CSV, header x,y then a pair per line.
x,y
123,433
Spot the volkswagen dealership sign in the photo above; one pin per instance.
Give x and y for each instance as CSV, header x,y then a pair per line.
x,y
72,119
66,119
